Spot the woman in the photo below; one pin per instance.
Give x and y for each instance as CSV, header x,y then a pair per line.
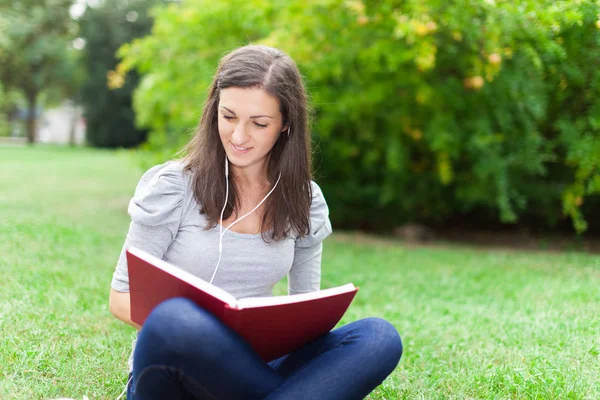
x,y
242,212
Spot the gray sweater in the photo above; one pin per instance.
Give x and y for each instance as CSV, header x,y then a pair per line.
x,y
166,222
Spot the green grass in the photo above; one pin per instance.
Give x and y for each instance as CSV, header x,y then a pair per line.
x,y
475,324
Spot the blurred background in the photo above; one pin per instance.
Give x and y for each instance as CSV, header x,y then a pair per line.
x,y
459,120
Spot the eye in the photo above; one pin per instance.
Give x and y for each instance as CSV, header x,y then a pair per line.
x,y
260,125
228,117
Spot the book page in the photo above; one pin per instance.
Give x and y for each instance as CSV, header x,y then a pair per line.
x,y
185,276
250,302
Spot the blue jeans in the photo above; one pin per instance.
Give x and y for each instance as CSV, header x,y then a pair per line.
x,y
184,352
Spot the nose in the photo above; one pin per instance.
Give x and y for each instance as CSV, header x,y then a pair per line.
x,y
239,136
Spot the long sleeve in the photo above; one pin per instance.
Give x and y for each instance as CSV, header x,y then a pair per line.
x,y
155,211
305,274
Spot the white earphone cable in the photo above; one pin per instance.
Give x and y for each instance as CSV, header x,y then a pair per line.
x,y
125,390
221,231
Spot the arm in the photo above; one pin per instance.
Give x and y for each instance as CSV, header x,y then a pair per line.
x,y
305,274
155,212
152,239
119,306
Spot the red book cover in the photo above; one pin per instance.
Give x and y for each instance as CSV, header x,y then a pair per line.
x,y
273,326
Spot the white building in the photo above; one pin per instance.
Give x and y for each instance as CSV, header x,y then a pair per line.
x,y
55,125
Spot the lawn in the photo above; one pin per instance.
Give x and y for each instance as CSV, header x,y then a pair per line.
x,y
475,324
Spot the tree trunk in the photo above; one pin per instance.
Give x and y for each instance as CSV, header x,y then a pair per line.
x,y
31,119
73,124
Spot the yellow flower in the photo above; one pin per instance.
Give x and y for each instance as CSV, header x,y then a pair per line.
x,y
421,29
494,59
474,82
357,6
114,80
431,26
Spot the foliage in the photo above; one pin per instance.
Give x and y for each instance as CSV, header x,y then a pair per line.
x,y
425,110
35,53
110,120
187,40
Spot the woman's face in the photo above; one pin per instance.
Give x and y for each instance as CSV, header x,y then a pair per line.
x,y
249,125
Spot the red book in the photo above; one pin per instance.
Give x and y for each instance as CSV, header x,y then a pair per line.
x,y
274,326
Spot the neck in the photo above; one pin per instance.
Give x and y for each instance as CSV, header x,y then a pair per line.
x,y
251,178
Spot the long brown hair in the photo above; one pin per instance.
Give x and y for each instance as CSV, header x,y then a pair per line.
x,y
288,208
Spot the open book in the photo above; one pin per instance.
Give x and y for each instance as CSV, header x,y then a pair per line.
x,y
273,326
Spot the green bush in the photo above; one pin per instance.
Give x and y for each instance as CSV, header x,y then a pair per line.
x,y
425,110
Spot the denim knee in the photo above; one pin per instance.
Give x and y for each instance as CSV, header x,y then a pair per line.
x,y
178,325
382,342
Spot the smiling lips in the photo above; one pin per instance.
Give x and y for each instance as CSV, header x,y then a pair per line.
x,y
240,149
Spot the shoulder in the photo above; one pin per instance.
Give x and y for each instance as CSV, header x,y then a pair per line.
x,y
317,193
320,225
171,173
318,204
160,193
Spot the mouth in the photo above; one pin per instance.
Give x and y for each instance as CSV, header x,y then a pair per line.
x,y
241,150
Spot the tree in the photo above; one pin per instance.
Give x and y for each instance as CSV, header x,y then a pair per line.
x,y
107,101
426,110
3,122
35,52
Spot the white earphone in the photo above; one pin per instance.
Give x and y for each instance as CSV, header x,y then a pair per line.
x,y
221,231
